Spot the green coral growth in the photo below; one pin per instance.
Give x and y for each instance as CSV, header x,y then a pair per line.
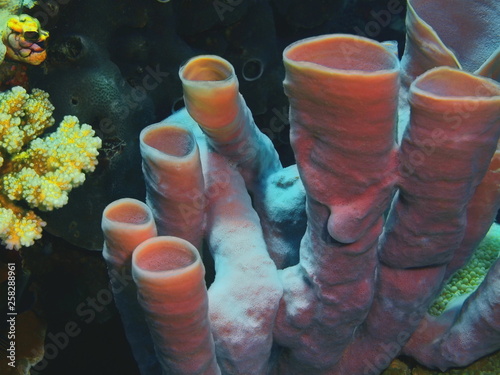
x,y
466,280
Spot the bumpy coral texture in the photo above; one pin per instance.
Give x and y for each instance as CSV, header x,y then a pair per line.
x,y
467,279
9,8
38,171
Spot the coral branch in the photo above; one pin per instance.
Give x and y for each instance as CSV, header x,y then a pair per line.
x,y
39,171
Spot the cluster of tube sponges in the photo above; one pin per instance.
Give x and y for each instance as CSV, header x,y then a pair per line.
x,y
38,171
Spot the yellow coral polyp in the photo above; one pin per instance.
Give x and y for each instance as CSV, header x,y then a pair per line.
x,y
53,165
23,117
17,230
23,39
467,279
39,171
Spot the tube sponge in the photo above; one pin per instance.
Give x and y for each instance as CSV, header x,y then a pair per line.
x,y
125,224
172,171
169,275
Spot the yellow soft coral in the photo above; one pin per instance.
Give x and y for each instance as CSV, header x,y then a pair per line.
x,y
23,117
53,165
39,171
9,9
19,228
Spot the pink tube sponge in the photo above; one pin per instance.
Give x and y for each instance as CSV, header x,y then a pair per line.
x,y
380,226
125,224
345,150
211,93
174,181
444,155
169,275
342,116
